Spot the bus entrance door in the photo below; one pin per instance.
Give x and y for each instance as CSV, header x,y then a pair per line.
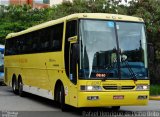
x,y
73,74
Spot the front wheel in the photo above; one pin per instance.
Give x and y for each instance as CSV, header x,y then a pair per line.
x,y
64,107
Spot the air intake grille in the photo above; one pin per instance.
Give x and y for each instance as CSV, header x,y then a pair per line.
x,y
118,87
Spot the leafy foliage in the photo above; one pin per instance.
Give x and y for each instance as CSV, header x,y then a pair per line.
x,y
149,10
17,18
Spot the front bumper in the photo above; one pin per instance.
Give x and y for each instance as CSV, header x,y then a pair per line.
x,y
106,99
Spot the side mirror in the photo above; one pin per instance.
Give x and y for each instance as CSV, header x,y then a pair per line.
x,y
73,39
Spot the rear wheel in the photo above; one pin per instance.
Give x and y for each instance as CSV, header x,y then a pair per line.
x,y
14,86
20,88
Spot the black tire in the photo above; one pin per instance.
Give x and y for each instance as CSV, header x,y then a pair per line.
x,y
64,107
14,86
20,88
115,108
57,95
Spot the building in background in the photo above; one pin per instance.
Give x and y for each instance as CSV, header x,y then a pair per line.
x,y
4,2
41,3
33,3
45,3
15,2
21,2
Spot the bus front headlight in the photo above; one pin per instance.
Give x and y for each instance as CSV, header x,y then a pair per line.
x,y
90,88
142,87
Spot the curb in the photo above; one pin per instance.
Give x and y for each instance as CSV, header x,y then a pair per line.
x,y
154,97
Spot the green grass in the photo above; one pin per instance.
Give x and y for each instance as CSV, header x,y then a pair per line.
x,y
154,89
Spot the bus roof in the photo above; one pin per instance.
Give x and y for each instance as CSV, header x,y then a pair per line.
x,y
103,16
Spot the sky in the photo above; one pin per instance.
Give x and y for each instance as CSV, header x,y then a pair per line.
x,y
123,2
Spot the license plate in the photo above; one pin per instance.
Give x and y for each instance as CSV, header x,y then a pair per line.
x,y
118,97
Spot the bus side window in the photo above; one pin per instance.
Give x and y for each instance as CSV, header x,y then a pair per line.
x,y
20,44
46,39
56,37
11,47
56,44
24,47
43,40
29,44
7,47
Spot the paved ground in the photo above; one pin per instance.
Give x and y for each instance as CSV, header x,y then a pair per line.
x,y
11,104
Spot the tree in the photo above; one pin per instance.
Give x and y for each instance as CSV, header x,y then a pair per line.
x,y
149,10
17,18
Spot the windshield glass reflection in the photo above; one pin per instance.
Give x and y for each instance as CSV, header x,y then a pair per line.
x,y
99,54
132,43
98,43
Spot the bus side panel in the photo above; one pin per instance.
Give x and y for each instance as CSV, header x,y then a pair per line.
x,y
12,67
55,69
34,70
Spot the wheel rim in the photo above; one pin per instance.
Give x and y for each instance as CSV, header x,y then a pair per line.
x,y
60,97
20,87
14,85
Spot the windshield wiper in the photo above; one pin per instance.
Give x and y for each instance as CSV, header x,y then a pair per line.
x,y
133,75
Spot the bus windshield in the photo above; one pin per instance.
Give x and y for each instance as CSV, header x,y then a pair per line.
x,y
104,44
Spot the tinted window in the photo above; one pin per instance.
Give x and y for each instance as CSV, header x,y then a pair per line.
x,y
44,40
71,30
11,46
56,37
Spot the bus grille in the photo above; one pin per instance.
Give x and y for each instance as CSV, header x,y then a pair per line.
x,y
118,87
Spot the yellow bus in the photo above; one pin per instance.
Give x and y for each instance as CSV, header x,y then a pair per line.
x,y
81,60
